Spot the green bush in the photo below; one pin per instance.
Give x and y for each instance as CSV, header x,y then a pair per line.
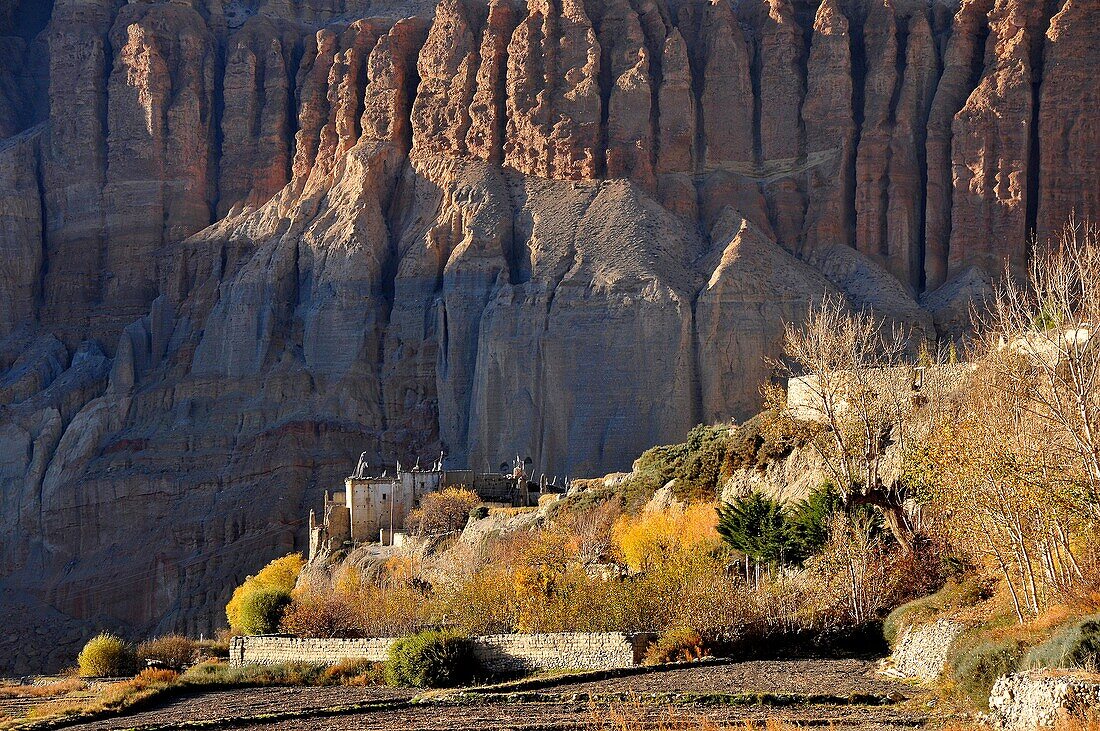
x,y
107,655
762,439
171,651
262,610
479,512
431,659
975,667
282,573
675,645
1076,645
695,464
698,476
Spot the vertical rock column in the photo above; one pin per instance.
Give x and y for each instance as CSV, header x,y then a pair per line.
x,y
485,139
676,129
1069,131
830,132
554,93
873,154
991,146
905,211
448,69
256,124
76,164
782,87
965,50
629,115
160,169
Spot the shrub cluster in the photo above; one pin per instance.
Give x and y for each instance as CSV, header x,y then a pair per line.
x,y
1074,645
975,665
107,655
442,512
257,605
675,645
772,533
171,651
602,570
431,659
262,610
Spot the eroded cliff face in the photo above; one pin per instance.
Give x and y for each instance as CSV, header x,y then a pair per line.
x,y
243,241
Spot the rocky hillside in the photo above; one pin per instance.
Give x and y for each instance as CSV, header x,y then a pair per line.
x,y
243,240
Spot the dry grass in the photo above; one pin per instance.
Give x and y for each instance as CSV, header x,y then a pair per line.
x,y
111,698
510,512
56,708
171,651
62,687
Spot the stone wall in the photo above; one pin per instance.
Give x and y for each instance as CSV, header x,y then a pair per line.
x,y
922,650
275,649
497,653
563,651
1037,698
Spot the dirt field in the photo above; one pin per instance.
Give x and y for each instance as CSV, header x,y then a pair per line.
x,y
840,693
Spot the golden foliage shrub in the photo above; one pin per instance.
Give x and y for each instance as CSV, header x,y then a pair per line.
x,y
106,655
442,512
280,575
675,645
321,614
652,539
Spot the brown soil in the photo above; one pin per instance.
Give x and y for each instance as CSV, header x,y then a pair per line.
x,y
561,705
240,702
833,677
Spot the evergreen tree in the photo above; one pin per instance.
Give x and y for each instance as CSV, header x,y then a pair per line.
x,y
756,526
808,522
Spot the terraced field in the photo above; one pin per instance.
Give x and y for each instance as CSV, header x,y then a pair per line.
x,y
834,693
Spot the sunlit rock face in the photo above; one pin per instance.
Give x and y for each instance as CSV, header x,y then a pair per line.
x,y
244,241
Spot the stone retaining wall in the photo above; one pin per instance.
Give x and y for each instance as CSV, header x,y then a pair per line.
x,y
564,651
1037,698
921,652
497,653
278,649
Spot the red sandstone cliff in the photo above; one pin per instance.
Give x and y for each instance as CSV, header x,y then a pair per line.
x,y
243,241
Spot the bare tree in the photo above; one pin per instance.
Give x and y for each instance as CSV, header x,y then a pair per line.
x,y
851,375
1039,340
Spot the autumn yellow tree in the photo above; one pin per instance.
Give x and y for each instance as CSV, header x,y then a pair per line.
x,y
442,512
1015,466
280,575
1005,501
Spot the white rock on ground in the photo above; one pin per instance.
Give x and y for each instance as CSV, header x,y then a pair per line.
x,y
1038,698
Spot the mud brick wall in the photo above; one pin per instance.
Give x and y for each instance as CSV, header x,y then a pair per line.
x,y
497,653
